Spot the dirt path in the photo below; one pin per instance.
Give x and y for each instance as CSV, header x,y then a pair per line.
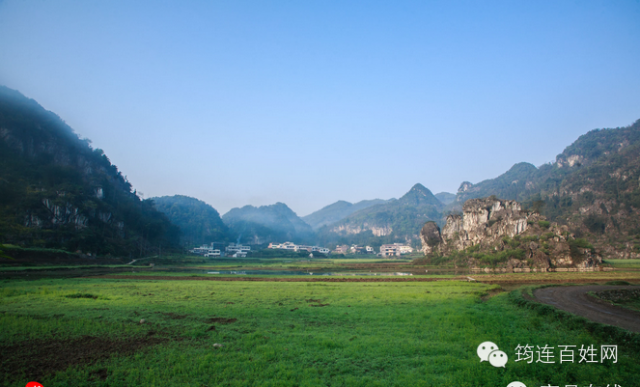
x,y
574,299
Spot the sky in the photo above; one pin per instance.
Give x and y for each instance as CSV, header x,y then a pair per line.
x,y
310,102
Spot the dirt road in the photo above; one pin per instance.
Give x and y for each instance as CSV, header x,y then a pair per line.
x,y
574,299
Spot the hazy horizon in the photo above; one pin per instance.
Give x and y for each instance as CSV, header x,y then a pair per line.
x,y
238,103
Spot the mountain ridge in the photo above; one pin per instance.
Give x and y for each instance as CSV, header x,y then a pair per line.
x,y
593,188
264,224
397,220
56,191
337,211
199,222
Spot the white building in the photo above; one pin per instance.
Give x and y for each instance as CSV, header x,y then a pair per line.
x,y
202,250
396,249
293,247
233,250
236,251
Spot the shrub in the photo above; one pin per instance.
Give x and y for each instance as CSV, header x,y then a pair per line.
x,y
595,224
544,223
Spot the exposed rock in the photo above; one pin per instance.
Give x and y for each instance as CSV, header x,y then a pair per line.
x,y
569,161
349,229
485,221
430,237
498,232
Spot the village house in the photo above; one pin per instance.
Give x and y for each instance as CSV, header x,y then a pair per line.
x,y
293,247
396,249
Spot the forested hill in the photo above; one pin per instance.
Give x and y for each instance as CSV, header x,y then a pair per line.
x,y
261,225
56,191
446,197
394,221
337,211
593,187
515,184
199,222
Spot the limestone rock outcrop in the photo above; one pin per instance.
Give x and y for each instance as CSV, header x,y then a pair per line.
x,y
496,232
484,222
430,237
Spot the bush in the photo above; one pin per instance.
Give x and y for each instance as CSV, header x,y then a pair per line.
x,y
595,224
503,256
581,242
575,245
544,223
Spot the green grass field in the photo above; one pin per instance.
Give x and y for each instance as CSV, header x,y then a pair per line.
x,y
624,263
365,334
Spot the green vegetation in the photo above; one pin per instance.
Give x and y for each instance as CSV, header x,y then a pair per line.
x,y
199,222
405,217
510,185
593,187
576,244
522,297
276,334
544,223
57,192
616,283
626,298
265,224
624,263
337,211
278,253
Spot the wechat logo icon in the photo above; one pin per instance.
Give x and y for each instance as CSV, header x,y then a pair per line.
x,y
490,352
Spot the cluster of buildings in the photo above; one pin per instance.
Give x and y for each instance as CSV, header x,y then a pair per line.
x,y
293,247
354,249
396,249
393,250
216,249
234,250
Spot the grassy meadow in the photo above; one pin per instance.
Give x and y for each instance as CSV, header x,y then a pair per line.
x,y
624,263
280,334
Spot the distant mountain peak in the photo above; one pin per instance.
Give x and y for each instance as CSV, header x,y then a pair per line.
x,y
421,188
420,193
274,222
522,167
199,222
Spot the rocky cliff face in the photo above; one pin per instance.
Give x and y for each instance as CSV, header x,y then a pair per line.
x,y
56,191
484,221
350,229
495,232
592,188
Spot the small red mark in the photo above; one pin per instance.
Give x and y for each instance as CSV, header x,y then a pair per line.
x,y
34,384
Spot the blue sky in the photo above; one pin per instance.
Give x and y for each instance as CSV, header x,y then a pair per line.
x,y
309,102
